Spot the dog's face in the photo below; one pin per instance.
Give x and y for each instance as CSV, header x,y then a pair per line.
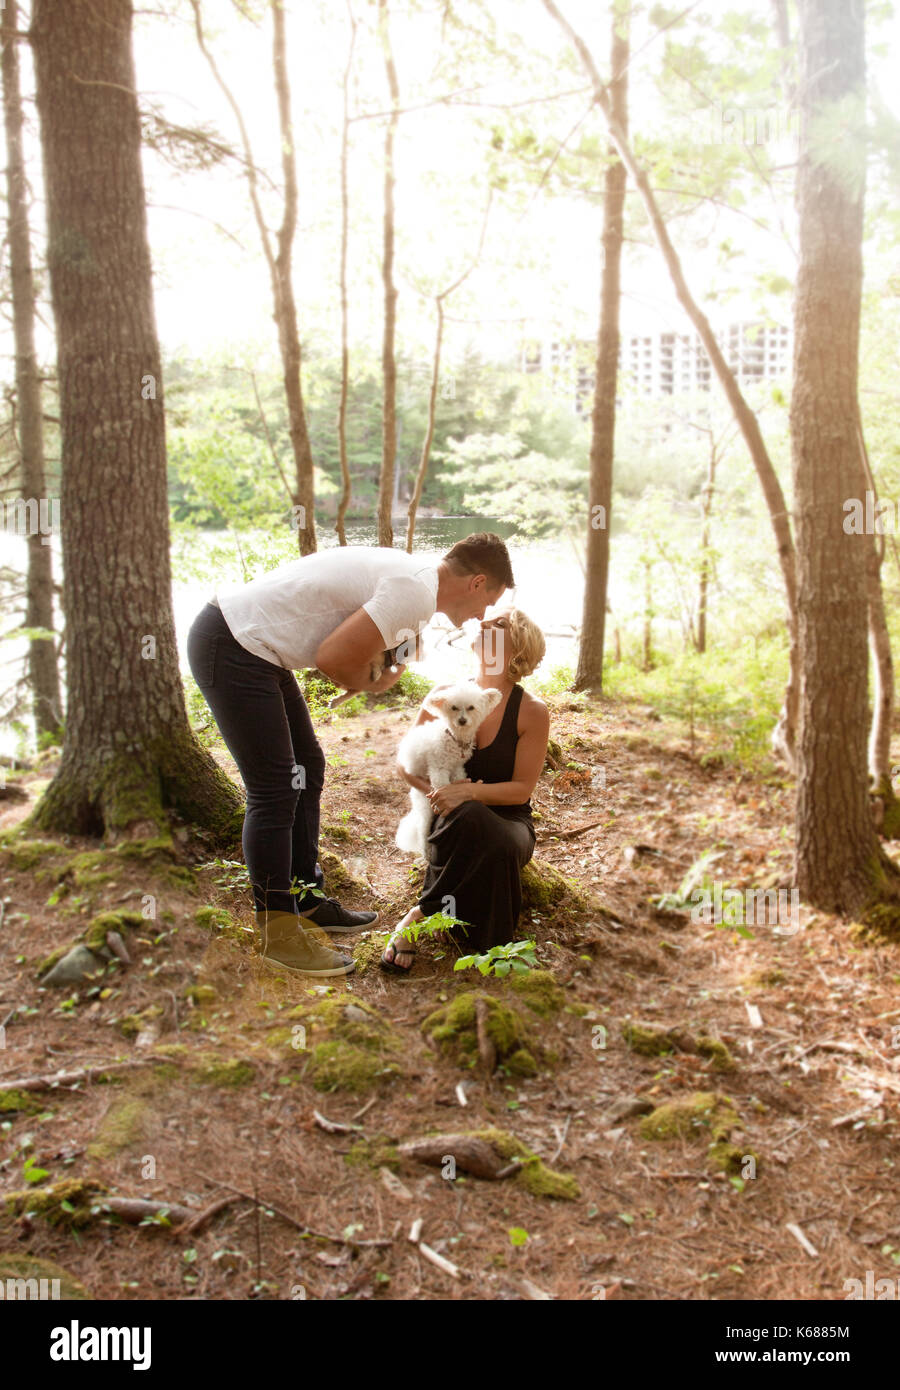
x,y
463,707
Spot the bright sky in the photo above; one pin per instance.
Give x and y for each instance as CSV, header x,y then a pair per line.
x,y
540,262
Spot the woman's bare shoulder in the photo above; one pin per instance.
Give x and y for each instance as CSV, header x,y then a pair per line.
x,y
532,704
533,713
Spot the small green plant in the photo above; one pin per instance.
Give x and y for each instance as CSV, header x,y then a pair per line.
x,y
516,957
432,926
235,873
696,880
298,886
30,1171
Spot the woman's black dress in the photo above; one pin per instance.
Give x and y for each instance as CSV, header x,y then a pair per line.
x,y
476,852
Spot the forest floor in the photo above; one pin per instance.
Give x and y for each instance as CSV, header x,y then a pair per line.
x,y
233,1070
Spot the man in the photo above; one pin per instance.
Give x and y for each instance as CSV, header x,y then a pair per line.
x,y
338,610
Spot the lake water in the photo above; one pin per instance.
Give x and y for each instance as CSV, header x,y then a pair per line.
x,y
550,589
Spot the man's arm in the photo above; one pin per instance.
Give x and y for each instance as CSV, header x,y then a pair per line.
x,y
347,653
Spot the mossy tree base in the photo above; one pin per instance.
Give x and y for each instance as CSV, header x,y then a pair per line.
x,y
131,793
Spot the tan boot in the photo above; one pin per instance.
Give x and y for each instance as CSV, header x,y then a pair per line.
x,y
287,944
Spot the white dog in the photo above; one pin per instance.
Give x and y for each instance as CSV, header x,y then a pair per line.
x,y
438,748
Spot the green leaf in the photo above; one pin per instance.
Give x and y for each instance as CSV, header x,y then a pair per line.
x,y
518,1235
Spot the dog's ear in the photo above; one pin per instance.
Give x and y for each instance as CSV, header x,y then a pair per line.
x,y
492,698
434,703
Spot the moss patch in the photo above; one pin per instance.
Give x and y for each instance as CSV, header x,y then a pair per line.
x,y
369,950
699,1112
219,921
350,1045
94,935
546,891
27,854
337,832
539,991
339,882
379,1151
647,1040
13,1266
127,1121
453,1029
730,1158
78,1194
230,1071
22,1102
720,1059
533,1175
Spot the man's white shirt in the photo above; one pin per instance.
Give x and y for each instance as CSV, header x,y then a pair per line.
x,y
285,614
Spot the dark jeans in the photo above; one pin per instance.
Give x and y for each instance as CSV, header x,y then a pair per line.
x,y
266,726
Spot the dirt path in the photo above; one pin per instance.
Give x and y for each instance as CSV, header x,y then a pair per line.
x,y
235,1061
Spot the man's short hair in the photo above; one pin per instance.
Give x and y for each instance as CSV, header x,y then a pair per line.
x,y
482,553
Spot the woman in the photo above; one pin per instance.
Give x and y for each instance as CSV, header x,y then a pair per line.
x,y
483,833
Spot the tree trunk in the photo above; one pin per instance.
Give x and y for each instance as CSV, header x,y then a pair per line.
x,y
747,421
413,507
388,359
648,616
705,564
280,266
129,752
838,864
285,306
589,673
345,347
422,472
42,655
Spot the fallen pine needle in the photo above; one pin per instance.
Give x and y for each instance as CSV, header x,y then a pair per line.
x,y
802,1240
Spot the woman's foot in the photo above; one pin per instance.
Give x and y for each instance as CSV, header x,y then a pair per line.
x,y
399,954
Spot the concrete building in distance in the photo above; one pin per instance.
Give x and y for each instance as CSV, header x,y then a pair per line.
x,y
661,362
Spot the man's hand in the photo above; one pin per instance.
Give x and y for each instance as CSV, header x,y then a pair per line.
x,y
386,679
443,799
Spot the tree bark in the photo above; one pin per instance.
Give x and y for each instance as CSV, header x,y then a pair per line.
x,y
280,268
705,562
838,862
388,358
129,753
749,425
589,673
425,457
285,305
345,346
42,653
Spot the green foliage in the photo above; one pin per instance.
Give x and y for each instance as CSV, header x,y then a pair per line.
x,y
516,956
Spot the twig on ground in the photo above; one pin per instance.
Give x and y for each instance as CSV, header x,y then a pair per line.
x,y
333,1126
69,1078
292,1220
561,1138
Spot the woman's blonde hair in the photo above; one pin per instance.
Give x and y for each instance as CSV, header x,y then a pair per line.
x,y
526,645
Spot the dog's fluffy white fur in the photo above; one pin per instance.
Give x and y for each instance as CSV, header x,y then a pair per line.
x,y
438,749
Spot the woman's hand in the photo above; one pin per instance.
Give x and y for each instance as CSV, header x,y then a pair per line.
x,y
443,799
421,783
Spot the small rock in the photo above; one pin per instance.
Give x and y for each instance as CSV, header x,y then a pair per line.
x,y
359,1015
628,1107
73,967
117,946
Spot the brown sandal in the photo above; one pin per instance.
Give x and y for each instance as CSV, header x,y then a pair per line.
x,y
389,966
